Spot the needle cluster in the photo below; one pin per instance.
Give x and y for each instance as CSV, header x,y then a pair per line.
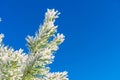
x,y
17,65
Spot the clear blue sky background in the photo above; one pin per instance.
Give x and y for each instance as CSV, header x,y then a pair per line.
x,y
91,50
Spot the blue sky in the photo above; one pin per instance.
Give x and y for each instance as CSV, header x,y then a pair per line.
x,y
91,50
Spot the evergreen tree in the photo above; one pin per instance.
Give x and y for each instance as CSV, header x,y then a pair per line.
x,y
17,65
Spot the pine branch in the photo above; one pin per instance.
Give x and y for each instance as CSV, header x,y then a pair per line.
x,y
16,65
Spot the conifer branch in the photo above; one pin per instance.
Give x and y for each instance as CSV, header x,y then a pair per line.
x,y
16,65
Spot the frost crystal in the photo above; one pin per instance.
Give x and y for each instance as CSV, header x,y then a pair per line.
x,y
16,65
